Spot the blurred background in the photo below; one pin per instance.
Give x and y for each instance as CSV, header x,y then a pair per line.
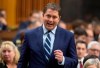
x,y
18,10
74,13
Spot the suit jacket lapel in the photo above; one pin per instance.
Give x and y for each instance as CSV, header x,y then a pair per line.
x,y
40,38
40,43
56,43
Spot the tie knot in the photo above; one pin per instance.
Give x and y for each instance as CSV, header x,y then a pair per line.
x,y
48,32
80,61
48,36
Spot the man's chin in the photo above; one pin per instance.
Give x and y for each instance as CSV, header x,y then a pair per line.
x,y
79,57
50,28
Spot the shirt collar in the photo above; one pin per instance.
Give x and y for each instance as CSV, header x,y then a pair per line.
x,y
45,30
81,60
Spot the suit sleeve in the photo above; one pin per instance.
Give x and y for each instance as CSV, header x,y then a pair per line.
x,y
71,60
24,58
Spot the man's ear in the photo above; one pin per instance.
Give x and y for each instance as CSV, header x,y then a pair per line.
x,y
60,17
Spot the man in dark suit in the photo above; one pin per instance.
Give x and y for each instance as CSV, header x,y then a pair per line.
x,y
49,46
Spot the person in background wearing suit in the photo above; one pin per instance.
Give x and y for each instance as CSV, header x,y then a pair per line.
x,y
81,48
49,46
34,16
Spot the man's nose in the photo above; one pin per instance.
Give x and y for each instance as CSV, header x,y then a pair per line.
x,y
80,50
51,19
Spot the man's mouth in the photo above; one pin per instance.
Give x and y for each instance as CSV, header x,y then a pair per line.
x,y
49,24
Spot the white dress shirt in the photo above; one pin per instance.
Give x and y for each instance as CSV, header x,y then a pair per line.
x,y
52,35
80,60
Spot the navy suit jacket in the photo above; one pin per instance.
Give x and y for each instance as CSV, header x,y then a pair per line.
x,y
32,54
24,25
3,27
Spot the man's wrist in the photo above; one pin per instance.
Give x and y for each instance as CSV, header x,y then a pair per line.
x,y
62,63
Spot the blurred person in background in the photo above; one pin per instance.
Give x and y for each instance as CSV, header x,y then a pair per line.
x,y
62,25
92,63
80,34
98,38
81,48
3,22
89,57
78,23
34,21
34,16
19,38
93,48
90,32
3,12
96,31
9,55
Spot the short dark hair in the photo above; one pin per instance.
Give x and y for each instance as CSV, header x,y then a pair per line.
x,y
79,41
80,31
52,6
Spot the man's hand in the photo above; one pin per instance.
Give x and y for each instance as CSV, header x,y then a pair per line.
x,y
58,55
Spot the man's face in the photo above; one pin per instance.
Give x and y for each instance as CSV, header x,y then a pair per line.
x,y
81,50
34,17
94,50
51,19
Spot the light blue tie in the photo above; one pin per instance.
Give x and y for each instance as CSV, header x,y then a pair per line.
x,y
47,46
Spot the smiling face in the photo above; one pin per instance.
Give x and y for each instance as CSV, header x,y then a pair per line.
x,y
51,19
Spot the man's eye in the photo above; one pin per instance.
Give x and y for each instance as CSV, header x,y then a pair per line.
x,y
78,48
48,16
54,17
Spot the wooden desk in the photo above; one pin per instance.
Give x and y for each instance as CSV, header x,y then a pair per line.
x,y
7,35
